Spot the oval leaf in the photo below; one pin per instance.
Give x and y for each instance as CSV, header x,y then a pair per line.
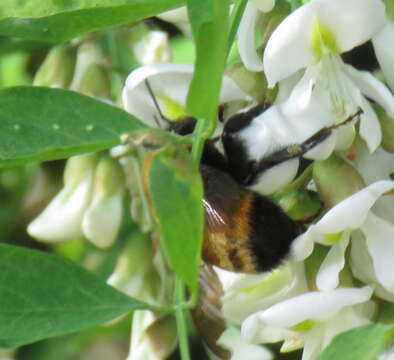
x,y
42,295
59,21
363,343
175,188
38,123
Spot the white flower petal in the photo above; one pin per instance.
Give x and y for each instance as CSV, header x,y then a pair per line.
x,y
361,262
303,245
256,331
171,80
347,318
370,129
385,52
240,349
178,15
351,212
372,88
101,221
290,40
313,305
152,48
246,38
277,177
62,218
379,236
313,344
352,22
373,167
387,355
328,275
254,293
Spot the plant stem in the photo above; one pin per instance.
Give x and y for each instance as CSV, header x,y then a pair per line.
x,y
200,134
236,16
181,320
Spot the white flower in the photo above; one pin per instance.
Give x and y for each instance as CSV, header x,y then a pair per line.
x,y
336,228
312,37
312,319
327,92
318,28
170,83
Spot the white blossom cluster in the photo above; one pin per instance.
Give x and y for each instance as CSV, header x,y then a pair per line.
x,y
351,246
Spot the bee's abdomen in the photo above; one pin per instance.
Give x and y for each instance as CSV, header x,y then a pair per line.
x,y
244,231
272,233
257,237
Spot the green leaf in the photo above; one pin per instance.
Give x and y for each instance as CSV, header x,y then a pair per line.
x,y
175,188
62,20
45,124
42,295
210,24
363,343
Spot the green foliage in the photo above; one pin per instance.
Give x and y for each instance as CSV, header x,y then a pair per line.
x,y
45,124
42,295
59,21
210,24
363,343
175,189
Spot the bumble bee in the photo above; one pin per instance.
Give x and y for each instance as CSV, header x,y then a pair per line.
x,y
244,231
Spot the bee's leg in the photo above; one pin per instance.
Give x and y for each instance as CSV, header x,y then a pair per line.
x,y
294,151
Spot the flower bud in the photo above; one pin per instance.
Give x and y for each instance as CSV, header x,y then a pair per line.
x,y
252,83
135,273
88,53
387,125
62,218
139,208
102,219
152,48
58,67
336,179
96,82
154,336
300,204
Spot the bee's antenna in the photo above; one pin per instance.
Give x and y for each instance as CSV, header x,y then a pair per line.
x,y
152,95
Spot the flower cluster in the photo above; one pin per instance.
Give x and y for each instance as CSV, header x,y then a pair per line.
x,y
340,267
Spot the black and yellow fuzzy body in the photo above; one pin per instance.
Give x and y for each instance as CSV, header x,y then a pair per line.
x,y
244,231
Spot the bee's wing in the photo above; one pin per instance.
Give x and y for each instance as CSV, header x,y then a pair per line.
x,y
207,315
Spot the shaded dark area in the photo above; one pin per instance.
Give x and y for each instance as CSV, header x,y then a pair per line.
x,y
362,57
